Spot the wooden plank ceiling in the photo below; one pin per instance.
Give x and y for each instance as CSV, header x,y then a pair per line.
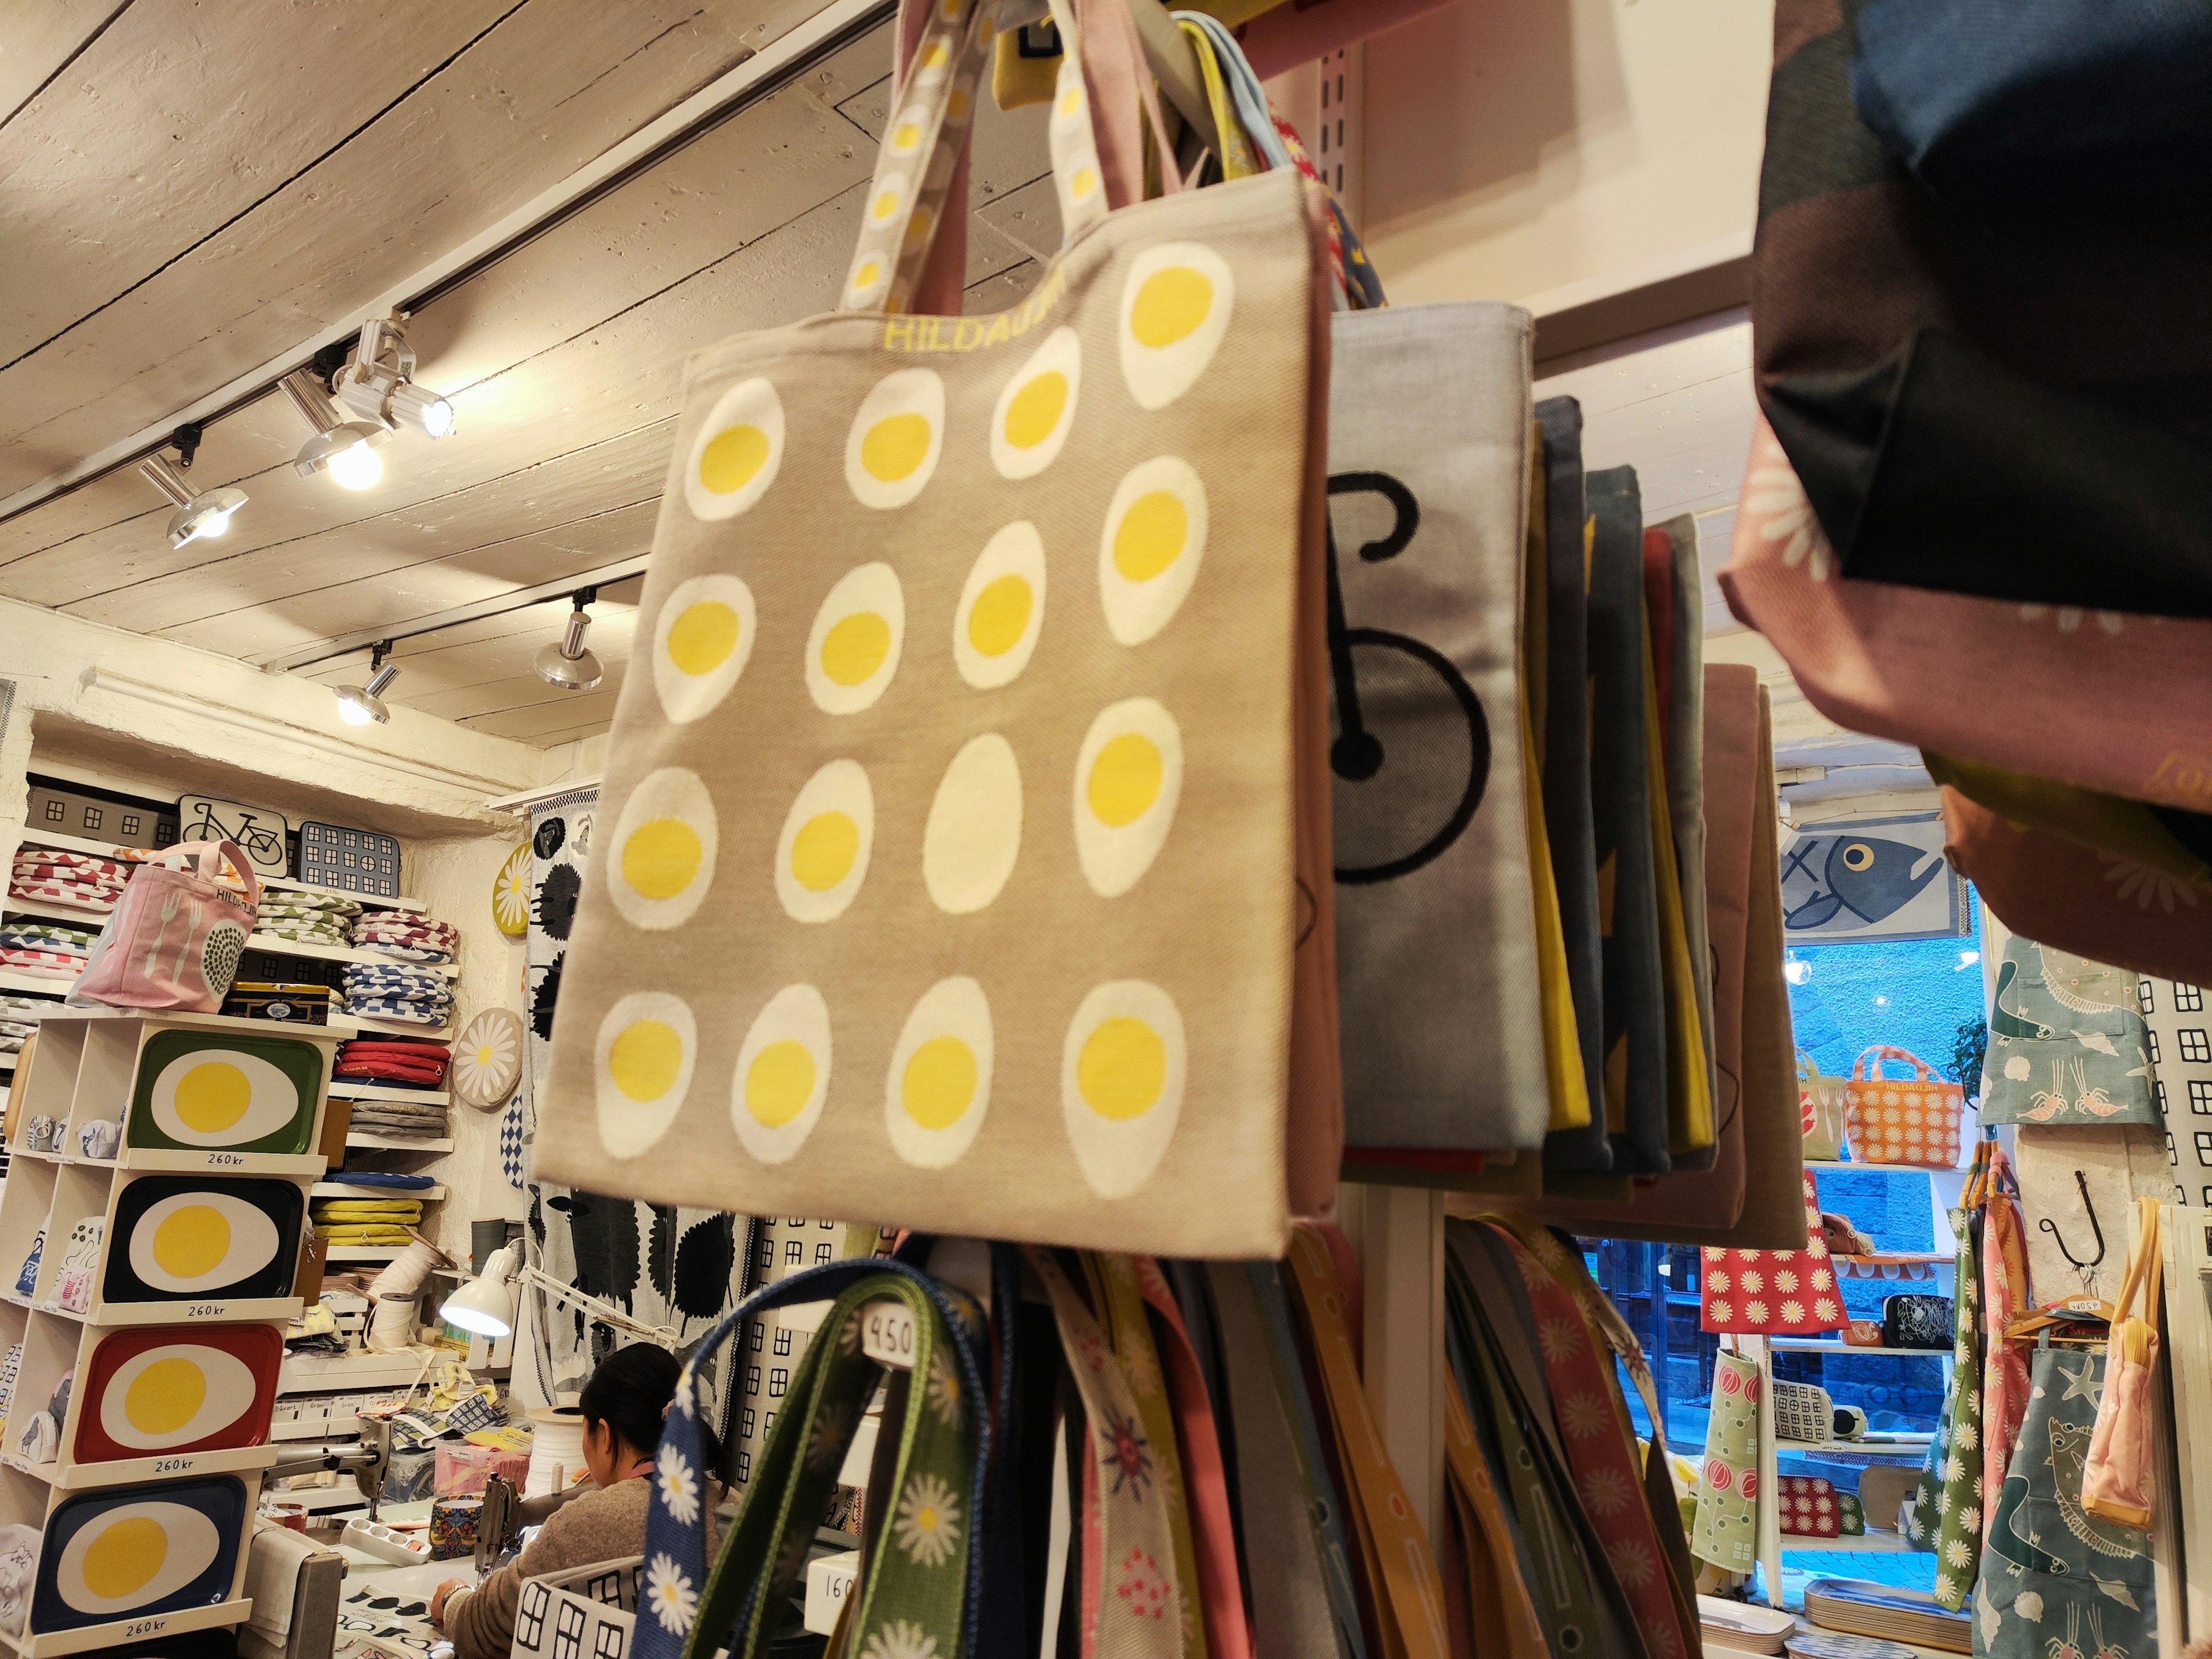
x,y
195,188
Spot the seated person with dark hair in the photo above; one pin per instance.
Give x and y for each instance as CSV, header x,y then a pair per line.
x,y
624,1405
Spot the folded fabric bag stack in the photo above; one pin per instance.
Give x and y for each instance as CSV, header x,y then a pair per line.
x,y
305,918
45,950
406,936
19,1018
47,875
402,1119
395,1062
365,1220
411,993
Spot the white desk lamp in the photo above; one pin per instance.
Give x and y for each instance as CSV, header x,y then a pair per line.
x,y
485,1304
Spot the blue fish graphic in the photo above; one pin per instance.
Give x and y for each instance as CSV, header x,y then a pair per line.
x,y
1871,877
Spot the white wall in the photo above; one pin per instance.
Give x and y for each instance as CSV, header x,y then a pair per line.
x,y
1555,153
150,717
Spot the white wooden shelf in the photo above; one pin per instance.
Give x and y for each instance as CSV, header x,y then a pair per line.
x,y
1837,1344
341,1090
1880,1543
394,1144
12,980
83,915
278,945
354,1025
364,1252
31,835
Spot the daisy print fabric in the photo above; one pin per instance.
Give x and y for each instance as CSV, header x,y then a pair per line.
x,y
916,1597
1773,1293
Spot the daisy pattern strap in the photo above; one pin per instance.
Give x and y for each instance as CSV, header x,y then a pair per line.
x,y
683,1608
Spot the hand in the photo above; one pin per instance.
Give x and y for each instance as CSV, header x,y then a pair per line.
x,y
439,1597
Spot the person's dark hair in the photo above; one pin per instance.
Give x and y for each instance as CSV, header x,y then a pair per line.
x,y
631,1389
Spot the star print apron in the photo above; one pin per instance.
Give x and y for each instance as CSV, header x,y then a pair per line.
x,y
2058,1582
961,872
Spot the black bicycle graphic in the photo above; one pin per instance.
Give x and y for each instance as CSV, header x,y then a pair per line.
x,y
1429,756
263,846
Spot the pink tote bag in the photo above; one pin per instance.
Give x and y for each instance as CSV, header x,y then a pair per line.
x,y
2120,703
2116,1479
174,941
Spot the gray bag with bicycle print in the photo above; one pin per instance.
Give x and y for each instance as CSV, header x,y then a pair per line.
x,y
970,857
1438,998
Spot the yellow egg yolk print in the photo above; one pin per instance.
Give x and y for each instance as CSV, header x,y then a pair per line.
x,y
1001,610
1036,407
1122,1072
701,641
938,1089
736,453
853,649
642,1062
782,1074
1177,301
662,861
892,447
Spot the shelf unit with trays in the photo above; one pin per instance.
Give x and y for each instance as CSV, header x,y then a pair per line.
x,y
172,1214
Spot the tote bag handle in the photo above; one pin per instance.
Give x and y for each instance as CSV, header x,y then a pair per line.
x,y
1882,1051
919,181
205,860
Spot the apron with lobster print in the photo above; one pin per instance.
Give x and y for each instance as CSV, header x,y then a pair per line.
x,y
957,869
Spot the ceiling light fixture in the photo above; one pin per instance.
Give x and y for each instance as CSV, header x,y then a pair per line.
x,y
379,383
199,513
363,705
340,446
569,665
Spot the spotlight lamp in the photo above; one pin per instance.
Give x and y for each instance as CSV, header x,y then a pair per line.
x,y
570,664
344,449
199,513
363,705
379,384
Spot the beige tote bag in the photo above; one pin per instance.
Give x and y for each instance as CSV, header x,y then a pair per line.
x,y
958,850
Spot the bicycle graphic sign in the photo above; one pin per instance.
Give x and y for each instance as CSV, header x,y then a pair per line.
x,y
260,832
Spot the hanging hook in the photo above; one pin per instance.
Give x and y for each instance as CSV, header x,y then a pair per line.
x,y
2085,1268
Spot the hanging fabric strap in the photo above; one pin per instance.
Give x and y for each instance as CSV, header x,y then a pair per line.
x,y
1408,1595
928,1580
1133,1601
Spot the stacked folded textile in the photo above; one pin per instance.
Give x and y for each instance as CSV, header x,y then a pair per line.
x,y
406,935
405,1119
45,950
384,1178
43,874
306,918
365,1220
402,991
19,1018
397,1063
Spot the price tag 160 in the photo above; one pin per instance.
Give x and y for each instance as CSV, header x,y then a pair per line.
x,y
887,1335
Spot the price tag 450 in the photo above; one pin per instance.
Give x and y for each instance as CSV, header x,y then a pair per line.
x,y
887,1335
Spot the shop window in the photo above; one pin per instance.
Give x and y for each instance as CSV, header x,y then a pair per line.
x,y
129,827
745,1466
745,1422
2187,999
92,816
2156,1058
2200,1095
793,1250
759,1335
822,1253
752,1379
778,1380
2204,1145
56,811
2196,1045
767,1255
2146,996
783,1343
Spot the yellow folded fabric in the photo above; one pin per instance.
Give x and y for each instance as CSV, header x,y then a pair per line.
x,y
364,1234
